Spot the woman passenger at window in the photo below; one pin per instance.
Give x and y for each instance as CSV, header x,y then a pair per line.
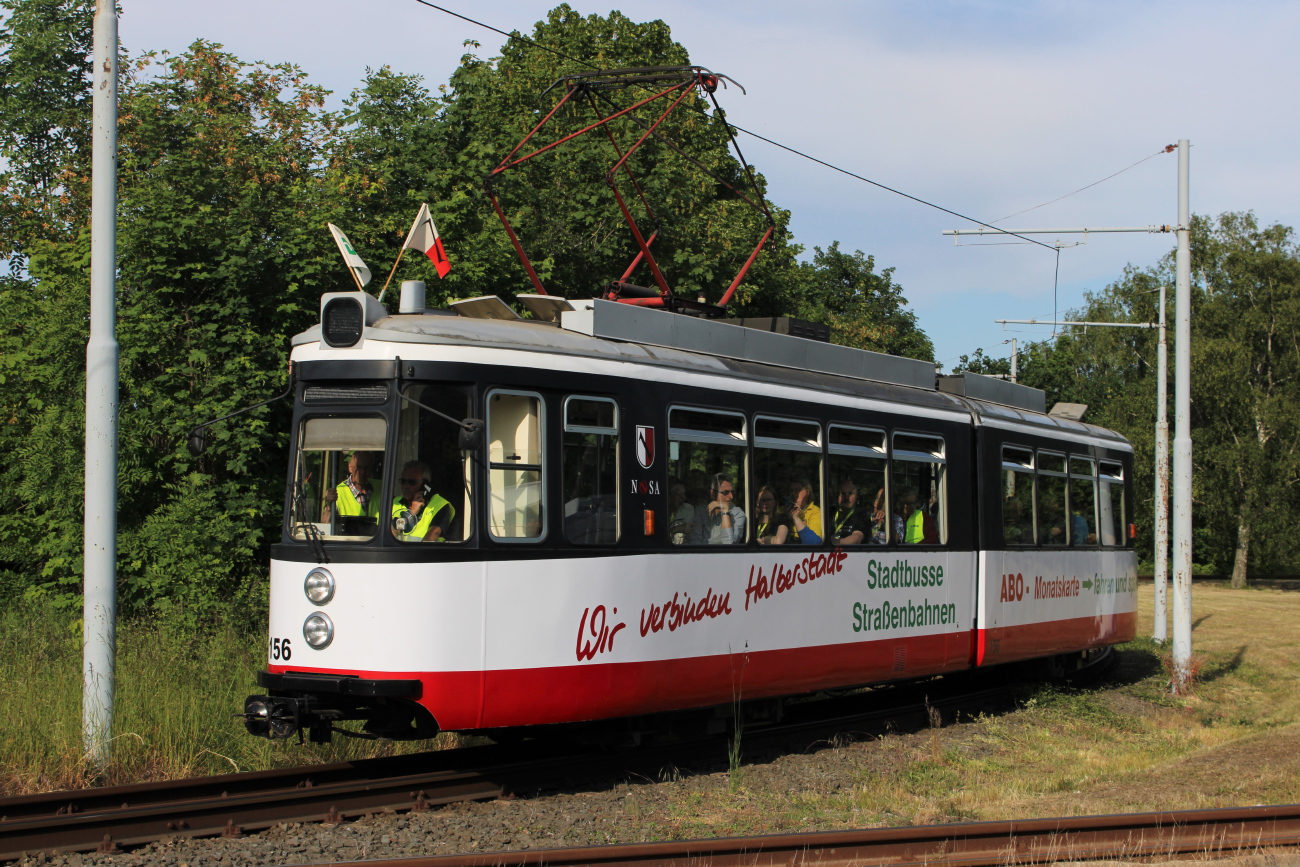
x,y
773,527
805,514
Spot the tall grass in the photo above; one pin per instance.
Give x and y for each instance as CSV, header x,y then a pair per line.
x,y
177,693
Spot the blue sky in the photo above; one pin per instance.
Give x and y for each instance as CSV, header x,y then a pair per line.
x,y
984,107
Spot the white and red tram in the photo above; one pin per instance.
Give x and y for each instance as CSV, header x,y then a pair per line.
x,y
578,571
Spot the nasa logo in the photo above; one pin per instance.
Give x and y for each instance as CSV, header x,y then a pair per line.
x,y
645,445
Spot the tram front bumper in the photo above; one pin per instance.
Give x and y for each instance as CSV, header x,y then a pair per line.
x,y
297,702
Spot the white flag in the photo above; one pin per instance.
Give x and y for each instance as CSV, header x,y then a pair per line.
x,y
424,237
350,254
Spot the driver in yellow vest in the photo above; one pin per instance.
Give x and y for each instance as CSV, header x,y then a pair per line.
x,y
356,495
420,515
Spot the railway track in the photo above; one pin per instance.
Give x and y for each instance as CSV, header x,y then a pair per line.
x,y
1134,836
104,819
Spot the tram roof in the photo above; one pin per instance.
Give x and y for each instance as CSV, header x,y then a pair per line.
x,y
449,329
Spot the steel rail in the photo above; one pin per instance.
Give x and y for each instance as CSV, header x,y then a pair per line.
x,y
972,844
231,804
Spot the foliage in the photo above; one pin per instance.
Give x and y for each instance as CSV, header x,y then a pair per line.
x,y
45,75
864,308
985,365
221,261
441,149
229,171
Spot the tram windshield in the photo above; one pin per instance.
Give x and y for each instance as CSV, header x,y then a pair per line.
x,y
338,478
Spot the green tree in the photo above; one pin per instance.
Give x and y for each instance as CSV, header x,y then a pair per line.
x,y
221,260
1246,385
864,308
419,147
985,365
45,74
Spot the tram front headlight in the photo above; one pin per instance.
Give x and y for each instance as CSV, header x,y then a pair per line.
x,y
318,630
319,586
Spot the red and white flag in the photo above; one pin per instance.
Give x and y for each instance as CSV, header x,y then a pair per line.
x,y
424,237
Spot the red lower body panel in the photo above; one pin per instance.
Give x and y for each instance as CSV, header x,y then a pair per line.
x,y
1032,640
472,699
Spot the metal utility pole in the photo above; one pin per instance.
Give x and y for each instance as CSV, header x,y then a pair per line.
x,y
99,632
1161,631
1182,524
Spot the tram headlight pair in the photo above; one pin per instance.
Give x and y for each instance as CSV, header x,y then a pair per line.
x,y
318,629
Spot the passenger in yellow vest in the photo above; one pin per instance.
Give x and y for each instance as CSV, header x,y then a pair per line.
x,y
914,520
921,527
355,495
420,515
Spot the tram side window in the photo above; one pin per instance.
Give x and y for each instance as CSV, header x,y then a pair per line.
x,y
857,480
1083,502
920,515
787,473
1051,499
1111,504
338,478
1017,496
591,470
431,495
515,478
706,477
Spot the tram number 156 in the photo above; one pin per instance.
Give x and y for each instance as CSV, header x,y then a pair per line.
x,y
280,649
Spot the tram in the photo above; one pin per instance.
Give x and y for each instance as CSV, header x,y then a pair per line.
x,y
607,511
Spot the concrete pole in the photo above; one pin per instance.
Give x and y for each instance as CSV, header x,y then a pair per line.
x,y
1182,523
1015,359
1161,556
100,627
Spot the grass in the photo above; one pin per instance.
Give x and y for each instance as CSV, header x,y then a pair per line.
x,y
176,694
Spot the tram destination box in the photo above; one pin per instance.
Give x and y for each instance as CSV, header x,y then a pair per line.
x,y
995,390
609,320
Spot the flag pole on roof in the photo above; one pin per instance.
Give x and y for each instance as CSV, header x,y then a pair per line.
x,y
356,267
423,237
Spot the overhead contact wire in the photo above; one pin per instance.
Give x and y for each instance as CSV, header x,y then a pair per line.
x,y
731,125
1163,150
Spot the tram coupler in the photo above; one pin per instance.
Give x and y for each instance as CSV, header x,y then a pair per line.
x,y
273,718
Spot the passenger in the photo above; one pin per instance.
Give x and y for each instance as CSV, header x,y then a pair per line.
x,y
805,514
898,522
772,527
914,520
847,526
879,519
680,513
1079,533
420,515
355,495
719,521
929,526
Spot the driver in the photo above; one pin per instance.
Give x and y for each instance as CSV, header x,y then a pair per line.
x,y
354,496
420,515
